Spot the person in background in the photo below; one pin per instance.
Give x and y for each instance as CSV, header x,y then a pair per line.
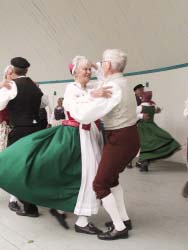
x,y
58,114
14,204
185,188
139,91
4,129
4,119
155,143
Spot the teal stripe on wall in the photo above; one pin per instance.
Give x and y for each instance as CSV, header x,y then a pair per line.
x,y
127,74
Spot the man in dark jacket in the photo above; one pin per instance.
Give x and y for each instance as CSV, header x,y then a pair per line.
x,y
23,101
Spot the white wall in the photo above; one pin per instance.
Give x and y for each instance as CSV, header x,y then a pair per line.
x,y
49,33
170,90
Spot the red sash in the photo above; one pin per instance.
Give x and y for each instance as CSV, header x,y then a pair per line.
x,y
72,122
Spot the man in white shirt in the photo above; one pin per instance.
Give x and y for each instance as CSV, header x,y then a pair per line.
x,y
122,145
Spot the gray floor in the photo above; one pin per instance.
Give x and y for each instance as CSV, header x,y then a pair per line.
x,y
154,202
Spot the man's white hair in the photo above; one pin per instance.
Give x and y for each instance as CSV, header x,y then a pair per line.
x,y
77,61
117,58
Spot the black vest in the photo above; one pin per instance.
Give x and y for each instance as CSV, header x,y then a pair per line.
x,y
59,113
24,108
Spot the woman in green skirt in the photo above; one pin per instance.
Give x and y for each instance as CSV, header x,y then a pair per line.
x,y
155,143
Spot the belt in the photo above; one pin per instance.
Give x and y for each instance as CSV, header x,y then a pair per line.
x,y
76,124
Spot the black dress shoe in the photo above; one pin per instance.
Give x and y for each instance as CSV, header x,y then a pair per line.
x,y
54,212
114,235
127,223
144,166
138,164
61,218
14,206
89,229
24,213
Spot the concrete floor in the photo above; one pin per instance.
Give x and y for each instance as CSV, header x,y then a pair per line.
x,y
158,211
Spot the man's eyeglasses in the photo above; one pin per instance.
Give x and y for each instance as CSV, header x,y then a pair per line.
x,y
103,62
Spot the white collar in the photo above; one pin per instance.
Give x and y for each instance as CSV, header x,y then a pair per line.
x,y
147,104
21,76
80,86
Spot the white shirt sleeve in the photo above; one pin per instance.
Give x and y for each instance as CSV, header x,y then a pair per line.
x,y
138,112
86,109
7,94
185,112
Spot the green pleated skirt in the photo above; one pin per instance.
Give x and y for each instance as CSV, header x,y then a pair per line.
x,y
155,143
44,168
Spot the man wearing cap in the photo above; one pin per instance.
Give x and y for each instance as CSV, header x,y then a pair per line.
x,y
139,91
22,98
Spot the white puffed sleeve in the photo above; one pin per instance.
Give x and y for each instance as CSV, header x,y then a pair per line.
x,y
7,94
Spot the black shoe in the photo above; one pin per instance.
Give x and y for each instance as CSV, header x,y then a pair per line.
x,y
61,218
14,206
54,212
138,164
114,235
110,225
29,214
144,166
89,229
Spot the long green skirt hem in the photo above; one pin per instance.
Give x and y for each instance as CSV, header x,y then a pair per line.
x,y
44,168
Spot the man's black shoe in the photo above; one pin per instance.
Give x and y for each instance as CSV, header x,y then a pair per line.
x,y
14,206
144,166
61,218
127,223
89,229
138,164
114,235
24,213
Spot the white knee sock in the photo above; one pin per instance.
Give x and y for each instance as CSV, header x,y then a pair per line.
x,y
109,203
82,221
119,197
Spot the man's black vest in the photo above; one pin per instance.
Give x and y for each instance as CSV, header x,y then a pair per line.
x,y
24,108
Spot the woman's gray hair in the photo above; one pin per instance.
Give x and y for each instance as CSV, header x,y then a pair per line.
x,y
117,58
77,61
6,71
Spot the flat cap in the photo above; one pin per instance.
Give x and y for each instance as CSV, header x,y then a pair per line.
x,y
20,62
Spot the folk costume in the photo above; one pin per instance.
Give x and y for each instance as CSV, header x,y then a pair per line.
x,y
155,142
